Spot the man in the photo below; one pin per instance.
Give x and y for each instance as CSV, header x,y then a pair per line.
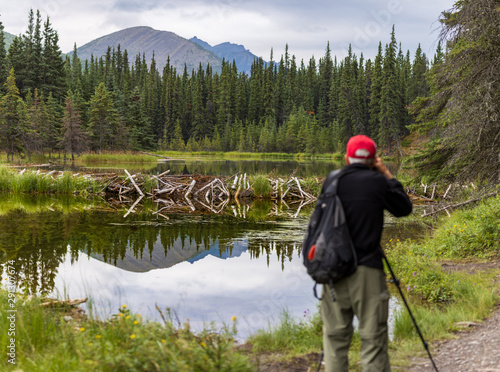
x,y
366,189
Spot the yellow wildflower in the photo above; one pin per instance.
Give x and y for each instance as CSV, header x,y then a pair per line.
x,y
124,306
203,344
127,317
82,329
98,336
233,318
163,341
136,322
132,336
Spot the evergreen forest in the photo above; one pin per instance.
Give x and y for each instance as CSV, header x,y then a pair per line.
x,y
116,102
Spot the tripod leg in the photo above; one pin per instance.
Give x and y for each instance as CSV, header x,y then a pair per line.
x,y
396,281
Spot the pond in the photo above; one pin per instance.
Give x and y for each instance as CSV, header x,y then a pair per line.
x,y
243,262
215,167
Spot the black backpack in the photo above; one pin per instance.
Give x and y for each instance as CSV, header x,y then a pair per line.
x,y
327,251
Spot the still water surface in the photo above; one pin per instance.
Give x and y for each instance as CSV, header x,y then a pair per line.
x,y
217,167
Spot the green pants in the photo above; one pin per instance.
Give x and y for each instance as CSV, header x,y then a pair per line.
x,y
365,295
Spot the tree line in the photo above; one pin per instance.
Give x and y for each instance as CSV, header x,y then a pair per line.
x,y
50,102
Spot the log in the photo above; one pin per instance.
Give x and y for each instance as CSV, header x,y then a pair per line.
x,y
461,204
164,173
433,191
133,183
55,303
207,185
133,205
190,189
446,193
298,185
189,202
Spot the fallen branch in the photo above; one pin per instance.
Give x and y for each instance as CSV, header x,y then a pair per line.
x,y
461,204
55,303
133,183
133,205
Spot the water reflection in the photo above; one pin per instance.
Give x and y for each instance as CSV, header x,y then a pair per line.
x,y
205,267
209,166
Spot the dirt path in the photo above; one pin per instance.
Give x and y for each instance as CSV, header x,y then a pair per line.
x,y
477,348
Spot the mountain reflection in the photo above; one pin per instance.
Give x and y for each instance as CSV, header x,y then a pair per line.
x,y
40,242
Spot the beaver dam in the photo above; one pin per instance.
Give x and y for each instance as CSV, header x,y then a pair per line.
x,y
172,193
183,193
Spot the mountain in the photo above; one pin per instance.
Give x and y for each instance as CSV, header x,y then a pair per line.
x,y
8,39
179,251
164,44
243,57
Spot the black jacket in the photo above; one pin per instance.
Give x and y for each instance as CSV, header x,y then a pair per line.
x,y
365,194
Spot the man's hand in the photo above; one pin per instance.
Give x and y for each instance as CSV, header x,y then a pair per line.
x,y
378,164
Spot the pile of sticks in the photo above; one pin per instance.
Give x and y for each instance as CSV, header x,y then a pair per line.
x,y
292,187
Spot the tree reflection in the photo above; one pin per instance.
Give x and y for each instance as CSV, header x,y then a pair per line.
x,y
39,242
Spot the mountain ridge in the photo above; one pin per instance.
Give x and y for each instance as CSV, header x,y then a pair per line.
x,y
144,40
230,51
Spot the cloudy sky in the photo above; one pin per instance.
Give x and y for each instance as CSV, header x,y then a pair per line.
x,y
260,25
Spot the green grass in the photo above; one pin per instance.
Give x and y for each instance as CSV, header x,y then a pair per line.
x,y
46,342
116,158
45,203
290,335
12,181
250,155
261,186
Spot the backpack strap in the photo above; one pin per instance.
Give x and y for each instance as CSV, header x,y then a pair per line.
x,y
330,186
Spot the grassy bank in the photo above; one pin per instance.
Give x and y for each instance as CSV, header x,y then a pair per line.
x,y
12,181
45,341
115,157
251,155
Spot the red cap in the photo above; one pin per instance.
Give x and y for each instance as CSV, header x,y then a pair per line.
x,y
361,147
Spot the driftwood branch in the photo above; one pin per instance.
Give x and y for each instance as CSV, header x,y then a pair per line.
x,y
55,303
133,205
133,183
461,204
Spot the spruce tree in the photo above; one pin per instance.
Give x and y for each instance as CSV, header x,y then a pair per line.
x,y
104,125
461,115
13,120
4,72
53,76
390,97
418,85
74,139
376,96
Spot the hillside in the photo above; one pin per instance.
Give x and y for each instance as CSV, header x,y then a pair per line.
x,y
139,40
243,57
8,39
